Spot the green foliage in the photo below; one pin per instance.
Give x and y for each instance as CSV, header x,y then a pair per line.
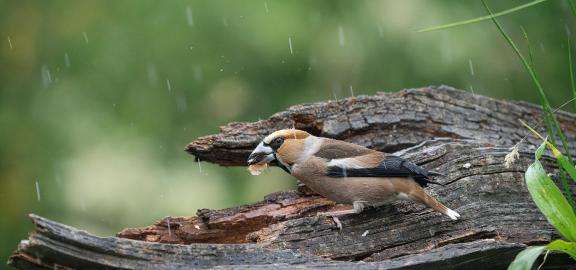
x,y
550,200
563,246
525,259
544,192
554,206
483,18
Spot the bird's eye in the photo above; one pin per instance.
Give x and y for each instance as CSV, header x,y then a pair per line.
x,y
276,143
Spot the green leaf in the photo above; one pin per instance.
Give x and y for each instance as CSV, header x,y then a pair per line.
x,y
540,151
562,161
525,259
566,247
483,18
550,201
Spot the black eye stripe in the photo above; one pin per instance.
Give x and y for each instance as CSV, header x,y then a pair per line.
x,y
275,143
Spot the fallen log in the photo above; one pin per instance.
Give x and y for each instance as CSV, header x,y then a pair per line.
x,y
387,122
461,135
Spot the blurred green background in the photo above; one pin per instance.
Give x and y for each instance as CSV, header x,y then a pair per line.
x,y
99,98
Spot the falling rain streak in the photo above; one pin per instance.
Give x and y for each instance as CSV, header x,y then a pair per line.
x,y
471,67
189,16
37,191
169,229
341,38
199,166
66,60
168,85
351,90
46,76
290,45
266,7
85,37
10,42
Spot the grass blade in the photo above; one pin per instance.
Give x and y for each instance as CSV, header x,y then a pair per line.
x,y
525,259
557,154
483,18
571,64
549,116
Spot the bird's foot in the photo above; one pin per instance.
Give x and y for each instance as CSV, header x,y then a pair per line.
x,y
334,218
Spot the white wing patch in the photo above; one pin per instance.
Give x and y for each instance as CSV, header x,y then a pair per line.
x,y
348,163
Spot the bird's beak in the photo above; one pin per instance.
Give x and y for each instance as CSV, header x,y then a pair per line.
x,y
261,155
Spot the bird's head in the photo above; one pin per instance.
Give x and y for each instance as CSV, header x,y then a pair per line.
x,y
284,146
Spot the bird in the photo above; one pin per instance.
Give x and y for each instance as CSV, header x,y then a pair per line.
x,y
347,173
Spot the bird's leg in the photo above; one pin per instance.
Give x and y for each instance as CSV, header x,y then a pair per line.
x,y
358,207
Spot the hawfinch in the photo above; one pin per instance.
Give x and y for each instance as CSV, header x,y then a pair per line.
x,y
346,173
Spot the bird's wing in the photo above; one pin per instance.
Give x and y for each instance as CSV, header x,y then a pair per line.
x,y
334,149
391,166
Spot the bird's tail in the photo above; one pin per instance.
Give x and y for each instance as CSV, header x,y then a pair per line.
x,y
431,202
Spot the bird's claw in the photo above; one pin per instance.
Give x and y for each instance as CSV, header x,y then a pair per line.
x,y
334,218
337,221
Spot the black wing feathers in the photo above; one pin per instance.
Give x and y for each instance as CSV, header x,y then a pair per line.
x,y
392,166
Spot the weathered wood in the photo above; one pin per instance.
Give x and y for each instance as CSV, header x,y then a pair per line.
x,y
387,122
492,199
56,246
461,135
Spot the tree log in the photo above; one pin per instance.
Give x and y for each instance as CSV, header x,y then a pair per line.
x,y
461,135
387,122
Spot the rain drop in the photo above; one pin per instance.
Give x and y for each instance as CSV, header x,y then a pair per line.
x,y
471,67
168,85
85,37
199,166
37,190
189,16
46,76
290,45
351,90
266,7
341,38
66,60
169,229
10,42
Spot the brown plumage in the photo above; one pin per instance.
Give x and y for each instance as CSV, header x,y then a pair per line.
x,y
347,173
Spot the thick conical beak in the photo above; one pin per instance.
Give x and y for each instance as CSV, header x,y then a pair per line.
x,y
262,154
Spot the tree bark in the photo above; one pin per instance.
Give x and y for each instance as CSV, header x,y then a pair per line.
x,y
461,135
387,122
